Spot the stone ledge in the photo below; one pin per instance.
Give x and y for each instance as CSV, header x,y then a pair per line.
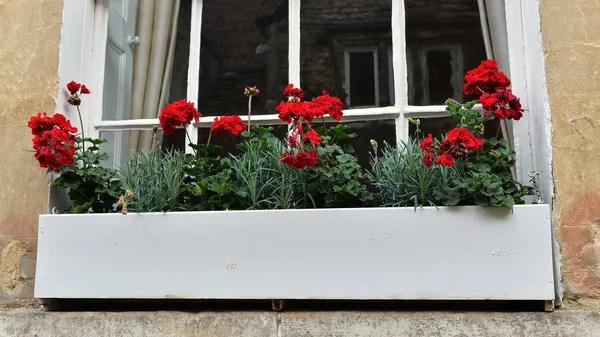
x,y
565,323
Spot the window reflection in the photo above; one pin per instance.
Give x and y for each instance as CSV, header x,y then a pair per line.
x,y
444,39
243,43
344,50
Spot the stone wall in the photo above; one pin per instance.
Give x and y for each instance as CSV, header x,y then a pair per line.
x,y
30,35
572,51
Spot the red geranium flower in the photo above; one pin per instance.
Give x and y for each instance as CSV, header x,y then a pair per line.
x,y
39,124
53,140
292,110
313,137
301,160
327,105
73,87
231,124
428,159
427,143
445,160
290,91
178,113
85,90
459,142
486,78
503,103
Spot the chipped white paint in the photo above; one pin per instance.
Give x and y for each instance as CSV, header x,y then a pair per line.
x,y
377,253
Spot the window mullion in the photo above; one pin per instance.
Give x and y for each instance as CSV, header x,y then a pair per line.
x,y
399,63
294,42
100,33
193,77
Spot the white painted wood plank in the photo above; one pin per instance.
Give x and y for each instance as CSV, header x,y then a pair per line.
x,y
75,55
193,76
95,104
294,42
206,122
400,71
378,253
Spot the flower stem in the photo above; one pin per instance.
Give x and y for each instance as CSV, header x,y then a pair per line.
x,y
190,140
249,110
209,137
324,126
82,134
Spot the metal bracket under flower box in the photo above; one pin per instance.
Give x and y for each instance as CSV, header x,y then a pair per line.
x,y
450,253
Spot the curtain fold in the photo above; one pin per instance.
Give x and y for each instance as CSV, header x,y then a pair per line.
x,y
153,63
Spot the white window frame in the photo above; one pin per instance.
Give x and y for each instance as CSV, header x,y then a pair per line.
x,y
347,52
390,72
83,50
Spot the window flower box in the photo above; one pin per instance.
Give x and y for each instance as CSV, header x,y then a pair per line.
x,y
446,253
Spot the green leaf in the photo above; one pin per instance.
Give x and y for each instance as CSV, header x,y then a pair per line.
x,y
84,208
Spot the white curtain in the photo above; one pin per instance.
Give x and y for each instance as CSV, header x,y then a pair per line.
x,y
493,24
156,26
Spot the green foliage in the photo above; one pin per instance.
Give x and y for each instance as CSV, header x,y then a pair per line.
x,y
485,179
261,180
92,188
338,180
257,179
468,117
403,180
156,179
207,181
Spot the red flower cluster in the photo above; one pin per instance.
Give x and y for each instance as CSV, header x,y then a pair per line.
x,y
320,106
231,124
300,160
178,113
326,105
312,136
53,140
445,159
503,103
458,144
294,111
458,141
485,79
76,90
290,91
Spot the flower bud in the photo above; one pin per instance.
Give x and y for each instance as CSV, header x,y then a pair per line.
x,y
74,100
251,91
374,144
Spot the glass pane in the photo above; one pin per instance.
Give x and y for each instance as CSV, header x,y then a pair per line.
x,y
444,40
121,144
244,43
136,84
345,48
439,126
361,78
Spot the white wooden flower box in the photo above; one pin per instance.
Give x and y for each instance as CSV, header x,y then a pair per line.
x,y
450,253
